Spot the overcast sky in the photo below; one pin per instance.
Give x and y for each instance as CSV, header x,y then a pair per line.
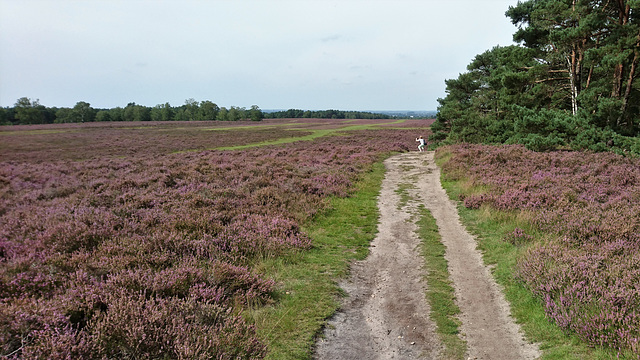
x,y
277,54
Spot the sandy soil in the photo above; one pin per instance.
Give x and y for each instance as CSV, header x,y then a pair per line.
x,y
385,314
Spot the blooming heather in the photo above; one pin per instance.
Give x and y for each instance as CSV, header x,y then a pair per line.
x,y
135,251
588,274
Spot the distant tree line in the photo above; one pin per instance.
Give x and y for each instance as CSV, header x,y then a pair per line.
x,y
324,114
27,111
571,82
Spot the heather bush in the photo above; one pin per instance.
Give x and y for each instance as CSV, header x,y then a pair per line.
x,y
127,253
588,273
218,283
518,237
139,326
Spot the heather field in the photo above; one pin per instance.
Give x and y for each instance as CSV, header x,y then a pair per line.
x,y
578,217
37,143
144,240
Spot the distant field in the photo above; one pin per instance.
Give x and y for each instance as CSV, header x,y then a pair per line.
x,y
145,240
35,143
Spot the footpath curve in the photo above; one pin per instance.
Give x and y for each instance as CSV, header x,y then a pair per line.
x,y
385,314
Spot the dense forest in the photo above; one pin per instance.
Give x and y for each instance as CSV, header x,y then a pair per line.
x,y
27,111
571,82
325,114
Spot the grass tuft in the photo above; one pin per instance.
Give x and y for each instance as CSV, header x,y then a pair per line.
x,y
440,292
402,192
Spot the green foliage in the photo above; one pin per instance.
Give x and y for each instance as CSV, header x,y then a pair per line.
x,y
255,114
539,142
64,115
598,140
222,114
236,114
82,112
324,114
26,111
542,130
572,80
162,112
5,116
191,109
29,112
117,114
134,112
103,115
208,110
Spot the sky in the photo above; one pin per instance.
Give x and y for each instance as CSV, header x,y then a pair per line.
x,y
362,55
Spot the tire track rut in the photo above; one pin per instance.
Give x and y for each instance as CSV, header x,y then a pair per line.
x,y
385,314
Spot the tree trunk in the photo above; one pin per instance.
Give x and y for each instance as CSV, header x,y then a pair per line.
x,y
573,80
629,85
575,67
617,81
618,74
592,66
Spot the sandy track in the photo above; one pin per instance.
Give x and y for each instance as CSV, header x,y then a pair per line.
x,y
385,315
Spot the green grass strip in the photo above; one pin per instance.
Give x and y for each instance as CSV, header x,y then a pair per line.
x,y
289,126
403,194
308,292
314,135
440,292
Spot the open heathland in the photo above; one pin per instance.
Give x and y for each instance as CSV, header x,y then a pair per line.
x,y
141,240
577,219
225,240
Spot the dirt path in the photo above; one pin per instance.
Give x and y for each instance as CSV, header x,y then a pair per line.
x,y
385,315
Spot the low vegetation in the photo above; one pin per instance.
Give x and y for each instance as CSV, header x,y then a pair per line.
x,y
108,253
307,280
440,292
569,225
127,242
570,83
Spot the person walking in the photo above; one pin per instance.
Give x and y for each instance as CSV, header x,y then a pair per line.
x,y
420,141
